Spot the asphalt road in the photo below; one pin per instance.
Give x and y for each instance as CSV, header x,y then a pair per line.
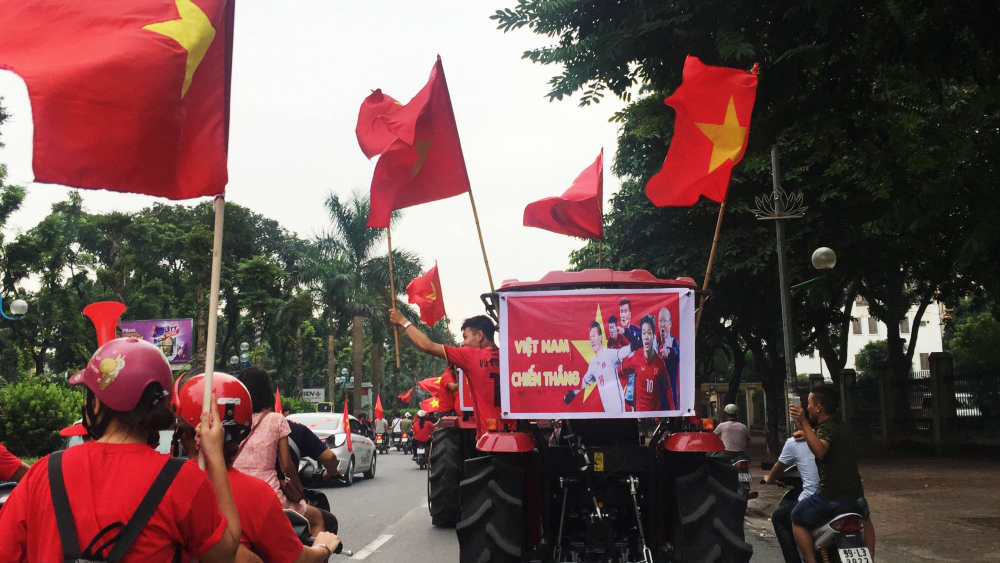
x,y
386,520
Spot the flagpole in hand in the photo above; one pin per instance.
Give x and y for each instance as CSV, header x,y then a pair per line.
x,y
392,288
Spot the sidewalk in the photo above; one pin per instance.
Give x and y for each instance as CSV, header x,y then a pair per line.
x,y
925,509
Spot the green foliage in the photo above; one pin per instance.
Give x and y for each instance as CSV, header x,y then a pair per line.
x,y
870,357
297,405
977,342
34,411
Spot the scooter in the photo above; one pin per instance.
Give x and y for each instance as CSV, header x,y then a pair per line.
x,y
403,443
382,443
422,453
742,464
839,540
301,527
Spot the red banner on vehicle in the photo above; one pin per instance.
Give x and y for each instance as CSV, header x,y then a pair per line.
x,y
597,353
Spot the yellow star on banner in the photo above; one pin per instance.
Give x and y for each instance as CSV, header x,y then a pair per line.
x,y
583,346
193,31
435,403
727,139
433,295
423,147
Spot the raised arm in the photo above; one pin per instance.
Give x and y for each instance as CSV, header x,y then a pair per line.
x,y
420,340
817,445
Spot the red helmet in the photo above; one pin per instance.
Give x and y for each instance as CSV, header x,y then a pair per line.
x,y
119,372
231,396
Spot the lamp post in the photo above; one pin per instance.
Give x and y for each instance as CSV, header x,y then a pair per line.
x,y
18,308
242,361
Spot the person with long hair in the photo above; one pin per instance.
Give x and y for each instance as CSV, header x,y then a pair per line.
x,y
102,482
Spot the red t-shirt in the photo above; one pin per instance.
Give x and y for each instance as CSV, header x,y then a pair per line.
x,y
422,434
104,483
266,530
619,341
482,370
446,396
649,376
9,464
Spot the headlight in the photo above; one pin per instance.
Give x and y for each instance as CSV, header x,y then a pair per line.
x,y
336,440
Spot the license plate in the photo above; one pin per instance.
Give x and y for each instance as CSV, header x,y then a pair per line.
x,y
378,440
745,477
855,555
420,450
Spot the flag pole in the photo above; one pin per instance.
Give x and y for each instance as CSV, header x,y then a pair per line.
x,y
213,311
392,288
600,244
708,271
481,244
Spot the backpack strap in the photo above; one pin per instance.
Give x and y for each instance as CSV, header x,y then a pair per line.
x,y
60,503
146,509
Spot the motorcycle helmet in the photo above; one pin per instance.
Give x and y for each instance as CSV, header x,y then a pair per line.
x,y
232,400
731,409
120,370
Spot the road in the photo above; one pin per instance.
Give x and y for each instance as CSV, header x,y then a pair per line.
x,y
386,520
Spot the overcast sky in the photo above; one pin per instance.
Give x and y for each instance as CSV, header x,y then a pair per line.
x,y
300,72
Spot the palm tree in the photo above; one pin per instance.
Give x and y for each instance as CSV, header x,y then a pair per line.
x,y
360,290
295,312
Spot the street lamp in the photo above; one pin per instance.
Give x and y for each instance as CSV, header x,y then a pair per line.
x,y
234,360
824,258
17,308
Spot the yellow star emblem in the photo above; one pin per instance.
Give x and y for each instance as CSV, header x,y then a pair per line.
x,y
193,31
434,294
583,346
727,139
435,403
423,147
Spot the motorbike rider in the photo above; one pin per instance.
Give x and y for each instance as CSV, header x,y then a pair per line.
x,y
11,466
422,430
397,422
128,386
840,489
382,426
366,426
406,427
735,435
795,452
311,446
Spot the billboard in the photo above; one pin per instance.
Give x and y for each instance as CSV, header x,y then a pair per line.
x,y
317,395
174,337
600,353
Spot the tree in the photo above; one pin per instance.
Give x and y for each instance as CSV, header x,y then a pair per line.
x,y
977,343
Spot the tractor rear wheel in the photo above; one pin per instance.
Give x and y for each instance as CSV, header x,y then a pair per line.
x,y
492,525
710,511
444,477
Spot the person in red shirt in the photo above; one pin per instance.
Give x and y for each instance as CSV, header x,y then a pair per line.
x,y
128,384
11,466
449,390
616,341
478,358
649,371
423,427
266,532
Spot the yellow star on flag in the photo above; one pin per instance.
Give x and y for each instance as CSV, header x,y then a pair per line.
x,y
727,139
193,31
583,346
435,403
433,295
423,147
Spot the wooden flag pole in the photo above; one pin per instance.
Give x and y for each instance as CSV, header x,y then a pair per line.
x,y
708,271
481,244
392,288
213,311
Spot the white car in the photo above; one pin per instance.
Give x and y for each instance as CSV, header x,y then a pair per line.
x,y
328,426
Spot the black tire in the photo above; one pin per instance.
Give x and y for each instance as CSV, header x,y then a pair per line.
x,y
445,476
710,510
492,525
370,474
349,474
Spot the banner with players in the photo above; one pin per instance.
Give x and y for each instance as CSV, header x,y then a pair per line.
x,y
602,353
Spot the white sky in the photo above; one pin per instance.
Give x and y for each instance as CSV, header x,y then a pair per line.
x,y
300,71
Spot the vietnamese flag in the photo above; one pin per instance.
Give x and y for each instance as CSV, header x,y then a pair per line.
x,y
432,385
277,400
125,96
407,396
425,292
347,426
423,159
711,128
379,413
578,212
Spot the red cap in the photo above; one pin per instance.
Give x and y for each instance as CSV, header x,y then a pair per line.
x,y
75,430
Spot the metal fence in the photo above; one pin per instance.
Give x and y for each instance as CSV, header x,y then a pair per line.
x,y
977,399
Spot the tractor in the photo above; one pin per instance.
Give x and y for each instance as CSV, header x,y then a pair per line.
x,y
586,487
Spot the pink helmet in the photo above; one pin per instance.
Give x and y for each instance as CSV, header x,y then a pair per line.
x,y
120,371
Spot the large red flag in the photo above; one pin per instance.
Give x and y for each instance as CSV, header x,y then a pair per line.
x,y
406,396
425,292
711,128
125,96
347,426
423,159
578,212
277,400
441,400
379,412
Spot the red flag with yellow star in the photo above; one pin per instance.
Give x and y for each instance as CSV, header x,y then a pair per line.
x,y
406,396
711,128
125,96
425,292
423,159
441,399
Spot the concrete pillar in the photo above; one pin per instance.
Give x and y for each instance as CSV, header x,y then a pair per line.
x,y
815,379
942,388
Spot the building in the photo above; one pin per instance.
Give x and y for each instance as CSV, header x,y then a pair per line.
x,y
865,328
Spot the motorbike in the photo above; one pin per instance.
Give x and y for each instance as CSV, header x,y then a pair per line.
x,y
838,540
421,449
301,527
741,461
382,443
404,443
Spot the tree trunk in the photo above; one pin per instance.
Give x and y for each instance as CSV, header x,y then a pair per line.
x,y
357,349
202,322
331,365
899,381
299,371
40,360
739,363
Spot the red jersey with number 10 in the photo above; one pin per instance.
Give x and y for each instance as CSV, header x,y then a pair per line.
x,y
650,375
482,368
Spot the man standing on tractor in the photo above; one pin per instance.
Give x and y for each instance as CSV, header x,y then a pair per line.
x,y
478,358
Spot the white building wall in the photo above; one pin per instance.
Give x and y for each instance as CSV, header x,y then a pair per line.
x,y
929,338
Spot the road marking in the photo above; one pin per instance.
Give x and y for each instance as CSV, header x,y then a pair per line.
x,y
370,548
425,505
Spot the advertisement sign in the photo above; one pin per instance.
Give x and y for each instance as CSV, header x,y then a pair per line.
x,y
464,393
314,395
174,337
601,353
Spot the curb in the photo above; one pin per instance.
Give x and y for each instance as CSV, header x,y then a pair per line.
x,y
760,508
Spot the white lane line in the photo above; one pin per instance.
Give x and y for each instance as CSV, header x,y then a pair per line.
x,y
370,548
425,505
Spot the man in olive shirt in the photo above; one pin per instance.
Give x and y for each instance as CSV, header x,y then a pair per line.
x,y
840,489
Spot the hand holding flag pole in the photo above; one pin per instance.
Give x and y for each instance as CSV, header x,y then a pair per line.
x,y
392,288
